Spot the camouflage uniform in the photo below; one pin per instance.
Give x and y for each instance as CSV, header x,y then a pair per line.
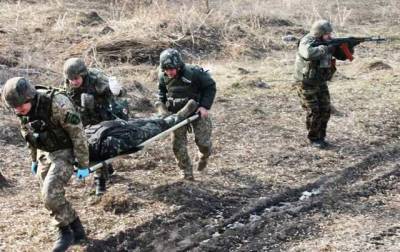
x,y
96,84
113,138
314,66
55,136
105,105
195,83
56,162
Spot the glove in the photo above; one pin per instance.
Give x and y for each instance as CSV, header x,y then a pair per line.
x,y
34,168
82,172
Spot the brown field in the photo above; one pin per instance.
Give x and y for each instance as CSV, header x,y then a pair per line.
x,y
253,195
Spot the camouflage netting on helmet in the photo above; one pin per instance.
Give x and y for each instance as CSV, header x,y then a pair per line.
x,y
321,27
17,91
171,58
74,67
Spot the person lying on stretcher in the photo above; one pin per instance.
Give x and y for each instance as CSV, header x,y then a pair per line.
x,y
109,139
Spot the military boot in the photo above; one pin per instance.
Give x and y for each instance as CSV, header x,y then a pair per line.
x,y
64,240
320,144
188,109
202,164
79,231
161,109
100,185
188,174
182,114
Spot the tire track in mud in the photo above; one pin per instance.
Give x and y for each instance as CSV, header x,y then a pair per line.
x,y
287,207
202,224
391,232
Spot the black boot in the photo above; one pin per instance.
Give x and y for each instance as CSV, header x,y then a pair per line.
x,y
182,114
100,185
320,144
79,231
64,240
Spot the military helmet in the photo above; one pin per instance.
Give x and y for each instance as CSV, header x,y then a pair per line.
x,y
74,67
18,91
171,58
321,27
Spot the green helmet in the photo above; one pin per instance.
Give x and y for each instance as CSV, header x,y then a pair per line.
x,y
321,27
171,58
74,67
17,91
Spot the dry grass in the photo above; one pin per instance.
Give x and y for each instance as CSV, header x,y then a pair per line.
x,y
260,148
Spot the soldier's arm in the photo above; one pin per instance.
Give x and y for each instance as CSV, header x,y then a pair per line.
x,y
66,116
208,89
32,150
102,85
103,88
309,52
162,88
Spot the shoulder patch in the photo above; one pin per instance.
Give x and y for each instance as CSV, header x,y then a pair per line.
x,y
72,118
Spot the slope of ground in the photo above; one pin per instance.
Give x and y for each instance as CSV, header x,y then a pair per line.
x,y
265,189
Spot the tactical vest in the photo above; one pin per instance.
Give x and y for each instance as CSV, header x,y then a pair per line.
x,y
106,108
181,90
310,70
42,133
185,86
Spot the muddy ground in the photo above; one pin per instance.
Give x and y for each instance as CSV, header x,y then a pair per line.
x,y
265,188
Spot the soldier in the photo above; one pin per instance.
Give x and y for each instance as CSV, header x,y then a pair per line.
x,y
314,66
55,135
94,98
178,83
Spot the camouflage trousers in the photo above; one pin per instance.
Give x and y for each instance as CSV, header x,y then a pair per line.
x,y
54,171
315,100
202,129
103,172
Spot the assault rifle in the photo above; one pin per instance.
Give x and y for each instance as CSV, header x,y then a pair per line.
x,y
346,42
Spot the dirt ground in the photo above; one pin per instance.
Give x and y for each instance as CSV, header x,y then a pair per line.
x,y
265,188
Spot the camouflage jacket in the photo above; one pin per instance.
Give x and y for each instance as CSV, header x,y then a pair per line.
x,y
95,83
308,65
192,83
53,124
